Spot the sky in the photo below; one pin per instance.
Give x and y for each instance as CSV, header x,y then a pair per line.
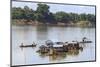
x,y
58,7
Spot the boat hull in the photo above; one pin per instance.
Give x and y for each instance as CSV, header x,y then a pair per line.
x,y
28,46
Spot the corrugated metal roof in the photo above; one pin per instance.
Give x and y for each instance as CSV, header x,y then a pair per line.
x,y
57,45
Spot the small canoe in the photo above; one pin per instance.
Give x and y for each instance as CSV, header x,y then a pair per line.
x,y
86,42
28,45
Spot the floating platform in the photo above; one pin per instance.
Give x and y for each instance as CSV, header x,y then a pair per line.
x,y
58,48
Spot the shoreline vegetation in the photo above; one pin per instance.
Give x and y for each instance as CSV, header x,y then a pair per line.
x,y
36,23
43,16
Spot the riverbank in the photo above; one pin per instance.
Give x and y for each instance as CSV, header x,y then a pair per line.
x,y
36,23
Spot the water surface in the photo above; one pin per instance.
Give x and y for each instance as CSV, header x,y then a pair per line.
x,y
39,34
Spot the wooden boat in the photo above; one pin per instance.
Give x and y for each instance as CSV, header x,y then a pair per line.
x,y
85,42
32,45
28,46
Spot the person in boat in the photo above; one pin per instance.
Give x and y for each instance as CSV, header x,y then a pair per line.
x,y
22,44
49,43
83,39
33,44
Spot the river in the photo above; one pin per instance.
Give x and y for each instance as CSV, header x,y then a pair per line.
x,y
39,34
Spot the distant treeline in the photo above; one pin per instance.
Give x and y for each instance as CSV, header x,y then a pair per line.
x,y
43,15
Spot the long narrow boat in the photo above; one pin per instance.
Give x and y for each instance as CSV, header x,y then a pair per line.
x,y
28,45
85,42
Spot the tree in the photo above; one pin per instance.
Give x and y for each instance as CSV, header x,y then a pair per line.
x,y
91,18
17,13
62,17
43,9
42,12
74,17
28,13
83,17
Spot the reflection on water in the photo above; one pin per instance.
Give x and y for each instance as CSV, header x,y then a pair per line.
x,y
60,55
39,34
42,33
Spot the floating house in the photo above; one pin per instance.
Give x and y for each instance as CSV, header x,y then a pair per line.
x,y
52,48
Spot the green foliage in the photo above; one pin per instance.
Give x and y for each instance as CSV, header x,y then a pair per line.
x,y
62,17
17,13
74,17
91,18
42,14
25,13
28,13
42,8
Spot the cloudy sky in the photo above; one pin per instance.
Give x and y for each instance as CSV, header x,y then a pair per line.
x,y
58,7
